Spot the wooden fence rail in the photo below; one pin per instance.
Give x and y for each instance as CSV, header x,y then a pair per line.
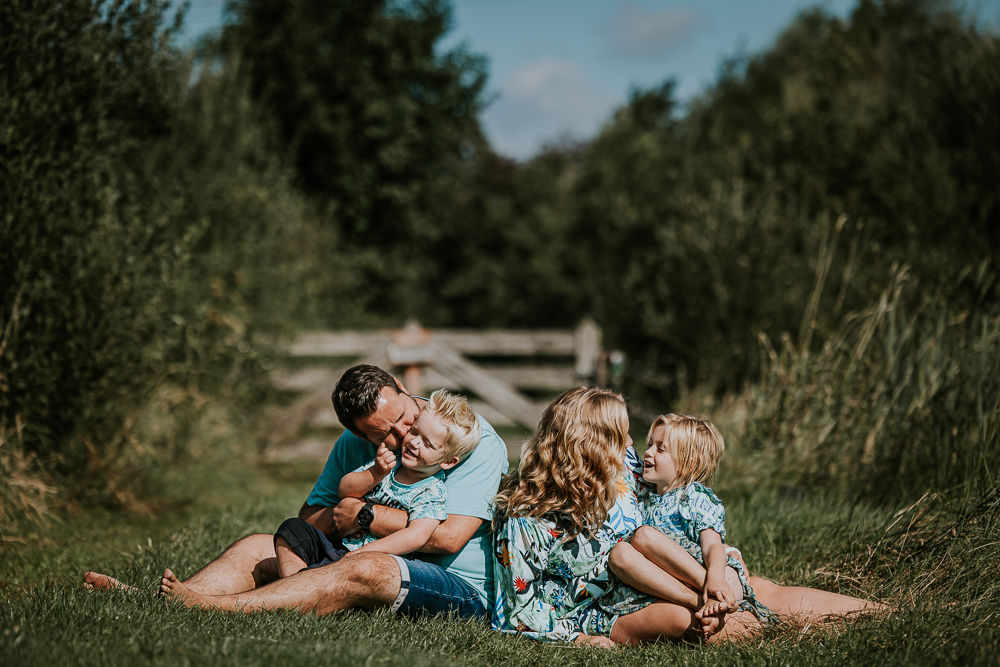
x,y
440,359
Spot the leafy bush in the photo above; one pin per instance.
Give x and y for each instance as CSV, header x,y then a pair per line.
x,y
86,261
147,230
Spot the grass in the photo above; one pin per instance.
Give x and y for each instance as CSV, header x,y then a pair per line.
x,y
46,618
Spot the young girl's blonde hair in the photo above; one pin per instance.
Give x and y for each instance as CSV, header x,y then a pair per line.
x,y
695,444
569,467
460,422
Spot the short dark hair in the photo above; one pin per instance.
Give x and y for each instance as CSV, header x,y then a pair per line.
x,y
357,392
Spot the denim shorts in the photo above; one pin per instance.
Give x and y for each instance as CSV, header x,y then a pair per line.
x,y
426,588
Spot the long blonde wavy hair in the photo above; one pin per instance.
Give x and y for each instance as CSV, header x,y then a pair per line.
x,y
568,470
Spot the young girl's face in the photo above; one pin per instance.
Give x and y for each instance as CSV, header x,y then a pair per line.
x,y
423,447
658,465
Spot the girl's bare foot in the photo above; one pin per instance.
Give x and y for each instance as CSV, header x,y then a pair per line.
x,y
95,581
172,587
712,616
710,625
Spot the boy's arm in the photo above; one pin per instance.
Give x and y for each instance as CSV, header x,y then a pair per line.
x,y
360,482
404,541
714,553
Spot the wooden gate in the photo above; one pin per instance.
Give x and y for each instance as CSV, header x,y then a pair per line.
x,y
493,367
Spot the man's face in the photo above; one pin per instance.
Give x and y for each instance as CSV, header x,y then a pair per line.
x,y
392,419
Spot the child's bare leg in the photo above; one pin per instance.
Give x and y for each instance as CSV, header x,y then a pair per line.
x,y
666,571
669,556
810,604
643,575
288,561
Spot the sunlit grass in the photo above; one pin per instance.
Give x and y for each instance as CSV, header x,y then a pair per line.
x,y
47,618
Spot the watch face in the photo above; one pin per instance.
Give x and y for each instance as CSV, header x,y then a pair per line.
x,y
365,517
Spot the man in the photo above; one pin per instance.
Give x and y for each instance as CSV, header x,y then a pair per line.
x,y
452,573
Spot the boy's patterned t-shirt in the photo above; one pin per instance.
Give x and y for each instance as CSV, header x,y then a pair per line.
x,y
424,500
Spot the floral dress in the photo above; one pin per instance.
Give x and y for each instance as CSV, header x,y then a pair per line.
x,y
547,584
682,514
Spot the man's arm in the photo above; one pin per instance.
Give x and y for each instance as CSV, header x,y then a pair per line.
x,y
322,518
449,538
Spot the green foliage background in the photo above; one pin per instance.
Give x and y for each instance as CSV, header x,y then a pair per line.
x,y
817,232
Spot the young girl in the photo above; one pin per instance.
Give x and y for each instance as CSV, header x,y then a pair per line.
x,y
444,434
682,455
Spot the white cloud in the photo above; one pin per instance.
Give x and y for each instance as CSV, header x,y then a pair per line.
x,y
541,101
634,30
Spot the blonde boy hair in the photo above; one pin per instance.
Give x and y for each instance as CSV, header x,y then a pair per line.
x,y
569,468
695,444
461,423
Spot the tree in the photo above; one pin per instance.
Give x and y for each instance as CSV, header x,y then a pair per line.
x,y
368,110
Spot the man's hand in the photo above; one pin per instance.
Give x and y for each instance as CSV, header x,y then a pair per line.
x,y
385,461
345,516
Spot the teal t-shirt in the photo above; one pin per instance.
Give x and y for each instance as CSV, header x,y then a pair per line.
x,y
471,486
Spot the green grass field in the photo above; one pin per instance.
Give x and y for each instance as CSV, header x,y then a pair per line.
x,y
936,563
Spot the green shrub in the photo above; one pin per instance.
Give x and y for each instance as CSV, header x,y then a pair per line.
x,y
85,262
148,229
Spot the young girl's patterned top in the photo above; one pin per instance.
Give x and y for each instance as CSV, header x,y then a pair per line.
x,y
682,514
547,584
423,500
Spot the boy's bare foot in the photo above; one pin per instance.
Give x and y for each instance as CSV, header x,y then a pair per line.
x,y
95,581
172,587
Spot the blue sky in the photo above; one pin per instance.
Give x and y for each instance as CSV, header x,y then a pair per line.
x,y
559,68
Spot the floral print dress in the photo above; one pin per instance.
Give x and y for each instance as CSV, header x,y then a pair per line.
x,y
682,514
547,585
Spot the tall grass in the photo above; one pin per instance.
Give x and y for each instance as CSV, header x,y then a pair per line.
x,y
900,398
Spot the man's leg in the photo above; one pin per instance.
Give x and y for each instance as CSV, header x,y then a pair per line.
x,y
246,564
368,580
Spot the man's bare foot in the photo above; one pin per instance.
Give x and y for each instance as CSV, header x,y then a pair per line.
x,y
95,581
172,587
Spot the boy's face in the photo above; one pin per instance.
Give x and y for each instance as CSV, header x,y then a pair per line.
x,y
658,465
423,447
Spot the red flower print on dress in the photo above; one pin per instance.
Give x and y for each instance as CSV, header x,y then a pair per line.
x,y
520,585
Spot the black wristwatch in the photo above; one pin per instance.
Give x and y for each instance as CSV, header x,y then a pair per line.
x,y
366,515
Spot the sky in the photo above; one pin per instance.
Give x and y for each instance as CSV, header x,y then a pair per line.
x,y
559,68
